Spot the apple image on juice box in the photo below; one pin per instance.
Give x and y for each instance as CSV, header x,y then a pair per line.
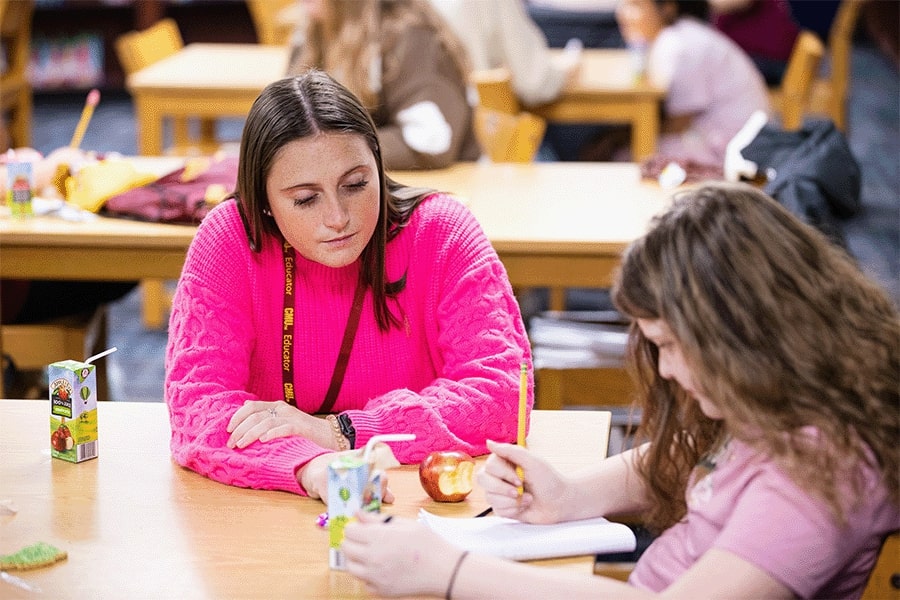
x,y
73,410
446,475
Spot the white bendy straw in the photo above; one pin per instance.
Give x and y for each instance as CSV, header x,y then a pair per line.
x,y
101,355
387,437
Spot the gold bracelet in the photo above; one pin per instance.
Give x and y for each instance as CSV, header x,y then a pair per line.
x,y
342,442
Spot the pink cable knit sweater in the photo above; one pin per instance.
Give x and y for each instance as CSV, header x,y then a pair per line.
x,y
450,375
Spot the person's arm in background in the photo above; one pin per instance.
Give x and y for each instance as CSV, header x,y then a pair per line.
x,y
425,121
538,74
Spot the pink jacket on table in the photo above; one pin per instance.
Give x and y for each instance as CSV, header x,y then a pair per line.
x,y
449,375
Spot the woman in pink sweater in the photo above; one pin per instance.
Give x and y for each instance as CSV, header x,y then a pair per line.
x,y
314,229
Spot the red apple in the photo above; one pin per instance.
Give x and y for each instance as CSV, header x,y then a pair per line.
x,y
447,475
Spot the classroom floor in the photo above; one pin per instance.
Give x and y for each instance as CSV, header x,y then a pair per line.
x,y
136,370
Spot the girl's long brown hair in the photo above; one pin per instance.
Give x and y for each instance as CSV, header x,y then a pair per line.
x,y
781,330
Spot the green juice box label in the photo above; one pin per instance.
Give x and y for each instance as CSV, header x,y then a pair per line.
x,y
20,183
350,489
73,410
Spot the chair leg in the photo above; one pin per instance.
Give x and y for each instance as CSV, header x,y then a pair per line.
x,y
20,127
155,303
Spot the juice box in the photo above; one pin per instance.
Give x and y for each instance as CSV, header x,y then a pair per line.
x,y
20,183
350,489
73,410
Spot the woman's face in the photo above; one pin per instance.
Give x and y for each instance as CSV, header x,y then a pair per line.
x,y
324,195
640,21
672,364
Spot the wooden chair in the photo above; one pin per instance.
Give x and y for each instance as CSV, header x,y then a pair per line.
x,y
270,28
15,88
829,94
884,581
495,90
33,346
791,101
509,138
139,49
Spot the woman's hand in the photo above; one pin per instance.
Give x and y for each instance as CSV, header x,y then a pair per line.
x,y
262,421
313,476
542,497
399,558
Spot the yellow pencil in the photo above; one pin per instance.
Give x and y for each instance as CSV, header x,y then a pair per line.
x,y
523,405
92,99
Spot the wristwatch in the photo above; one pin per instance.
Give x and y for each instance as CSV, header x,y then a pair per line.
x,y
347,429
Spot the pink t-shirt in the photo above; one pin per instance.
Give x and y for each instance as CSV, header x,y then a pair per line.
x,y
706,74
749,507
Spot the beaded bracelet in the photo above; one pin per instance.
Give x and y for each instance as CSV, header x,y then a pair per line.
x,y
454,574
342,442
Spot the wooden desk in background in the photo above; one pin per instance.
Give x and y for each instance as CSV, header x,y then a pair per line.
x,y
202,80
553,224
605,91
223,80
136,525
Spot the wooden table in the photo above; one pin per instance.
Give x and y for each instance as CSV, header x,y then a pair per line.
x,y
136,525
202,80
223,80
605,91
553,224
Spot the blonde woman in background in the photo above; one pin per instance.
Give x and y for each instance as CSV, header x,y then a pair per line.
x,y
408,68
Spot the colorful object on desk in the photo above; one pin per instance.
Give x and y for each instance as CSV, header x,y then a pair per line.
x,y
63,171
34,556
322,520
523,405
95,183
93,98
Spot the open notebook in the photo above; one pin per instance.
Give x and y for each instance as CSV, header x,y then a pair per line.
x,y
514,540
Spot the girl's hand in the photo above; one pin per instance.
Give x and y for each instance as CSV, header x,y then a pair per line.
x,y
313,476
542,497
399,558
262,421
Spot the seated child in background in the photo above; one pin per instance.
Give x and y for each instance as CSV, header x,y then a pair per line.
x,y
712,86
406,65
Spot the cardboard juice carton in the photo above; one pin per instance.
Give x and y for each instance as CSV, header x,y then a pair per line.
x,y
354,484
350,489
73,410
20,184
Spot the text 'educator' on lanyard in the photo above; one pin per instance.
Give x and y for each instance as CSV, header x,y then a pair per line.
x,y
287,336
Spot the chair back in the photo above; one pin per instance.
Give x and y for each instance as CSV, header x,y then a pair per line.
x,y
884,581
509,138
796,86
495,90
139,49
15,88
840,48
270,27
